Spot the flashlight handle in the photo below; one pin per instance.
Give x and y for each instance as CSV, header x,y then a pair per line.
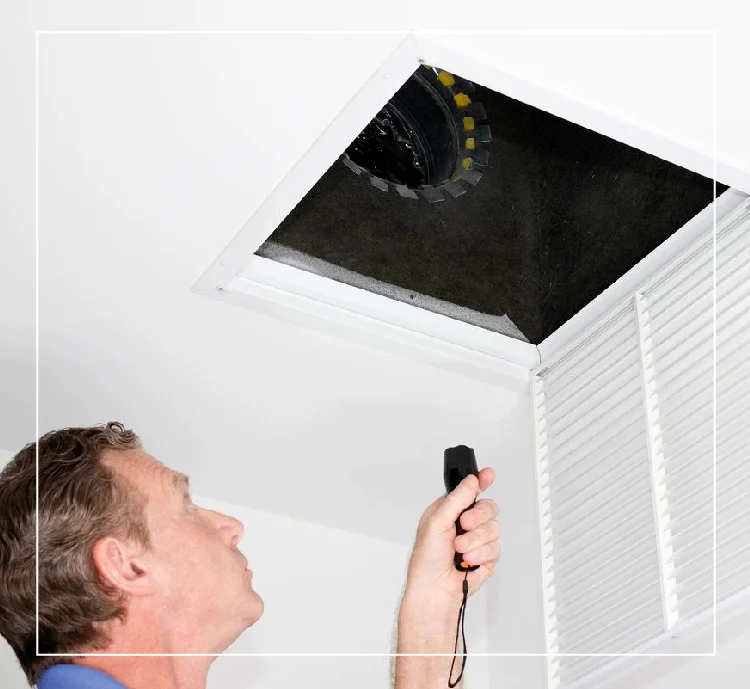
x,y
458,463
458,558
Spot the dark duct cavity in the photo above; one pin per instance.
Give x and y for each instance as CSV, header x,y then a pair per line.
x,y
561,212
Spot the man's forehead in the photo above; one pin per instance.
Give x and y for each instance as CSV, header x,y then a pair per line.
x,y
130,461
142,465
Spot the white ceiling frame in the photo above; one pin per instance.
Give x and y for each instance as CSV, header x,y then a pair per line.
x,y
239,277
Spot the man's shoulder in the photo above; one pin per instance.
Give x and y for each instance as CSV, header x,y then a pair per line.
x,y
72,676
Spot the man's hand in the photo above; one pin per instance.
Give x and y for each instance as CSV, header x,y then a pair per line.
x,y
434,592
432,572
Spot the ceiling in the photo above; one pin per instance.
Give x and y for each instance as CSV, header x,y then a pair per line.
x,y
153,151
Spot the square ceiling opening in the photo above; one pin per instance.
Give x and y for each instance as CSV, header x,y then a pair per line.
x,y
465,202
466,218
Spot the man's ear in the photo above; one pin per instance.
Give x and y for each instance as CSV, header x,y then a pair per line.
x,y
119,564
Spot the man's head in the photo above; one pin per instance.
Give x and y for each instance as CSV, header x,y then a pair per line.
x,y
124,554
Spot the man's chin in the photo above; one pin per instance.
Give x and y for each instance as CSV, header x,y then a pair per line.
x,y
256,609
253,611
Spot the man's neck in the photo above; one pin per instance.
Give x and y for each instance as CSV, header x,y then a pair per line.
x,y
151,672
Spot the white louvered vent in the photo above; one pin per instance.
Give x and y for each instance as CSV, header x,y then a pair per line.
x,y
603,590
680,306
733,415
625,450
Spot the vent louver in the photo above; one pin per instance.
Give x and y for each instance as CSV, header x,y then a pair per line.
x,y
681,309
601,553
625,451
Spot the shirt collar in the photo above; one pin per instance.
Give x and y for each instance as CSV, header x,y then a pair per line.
x,y
70,676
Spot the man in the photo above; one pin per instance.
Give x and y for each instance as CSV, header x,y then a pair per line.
x,y
111,579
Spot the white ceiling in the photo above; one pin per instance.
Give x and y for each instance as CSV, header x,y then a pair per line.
x,y
153,151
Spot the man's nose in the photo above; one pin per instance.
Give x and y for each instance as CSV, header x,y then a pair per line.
x,y
233,528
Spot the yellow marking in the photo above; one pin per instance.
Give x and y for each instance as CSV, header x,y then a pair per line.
x,y
464,565
462,100
446,79
470,143
469,124
467,163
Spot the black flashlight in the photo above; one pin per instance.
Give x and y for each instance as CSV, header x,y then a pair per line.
x,y
458,463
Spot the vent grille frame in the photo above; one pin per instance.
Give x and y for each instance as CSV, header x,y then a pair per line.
x,y
671,341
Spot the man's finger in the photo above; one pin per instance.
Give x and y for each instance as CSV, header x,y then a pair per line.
x,y
482,512
486,478
485,554
490,531
461,497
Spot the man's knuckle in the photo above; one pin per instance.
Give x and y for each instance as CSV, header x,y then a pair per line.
x,y
490,510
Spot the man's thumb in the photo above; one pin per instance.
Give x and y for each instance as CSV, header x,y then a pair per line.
x,y
461,497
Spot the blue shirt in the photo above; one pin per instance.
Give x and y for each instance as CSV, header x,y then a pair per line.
x,y
69,676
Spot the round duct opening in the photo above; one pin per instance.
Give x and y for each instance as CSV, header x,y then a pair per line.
x,y
426,140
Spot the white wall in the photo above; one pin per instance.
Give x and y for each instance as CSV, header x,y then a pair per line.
x,y
311,607
729,669
10,671
687,661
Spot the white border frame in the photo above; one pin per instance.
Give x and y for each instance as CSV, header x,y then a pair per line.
x,y
221,272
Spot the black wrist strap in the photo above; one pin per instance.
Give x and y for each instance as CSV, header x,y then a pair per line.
x,y
462,627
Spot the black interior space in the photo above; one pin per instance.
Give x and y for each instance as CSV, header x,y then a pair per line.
x,y
560,213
